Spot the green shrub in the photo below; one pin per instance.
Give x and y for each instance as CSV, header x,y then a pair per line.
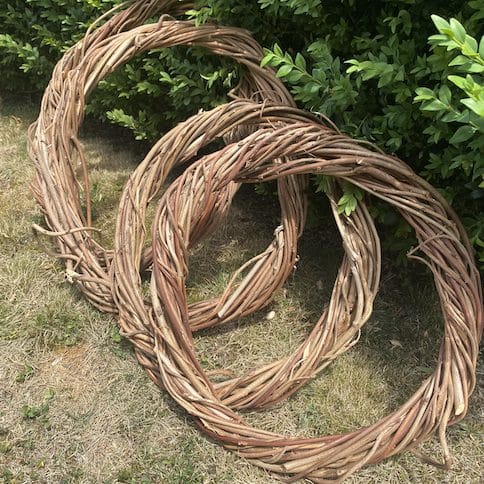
x,y
428,108
381,69
147,96
35,33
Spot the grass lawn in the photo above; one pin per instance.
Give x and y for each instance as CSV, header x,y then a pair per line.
x,y
76,407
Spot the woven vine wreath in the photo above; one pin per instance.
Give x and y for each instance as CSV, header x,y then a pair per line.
x,y
58,154
442,398
354,290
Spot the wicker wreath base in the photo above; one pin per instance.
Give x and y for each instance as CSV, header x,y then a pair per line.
x,y
354,290
62,185
442,398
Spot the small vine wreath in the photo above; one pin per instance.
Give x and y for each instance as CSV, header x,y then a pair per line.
x,y
442,398
354,290
58,154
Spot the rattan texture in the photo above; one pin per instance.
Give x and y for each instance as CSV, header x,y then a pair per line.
x,y
268,139
62,183
355,286
55,146
442,399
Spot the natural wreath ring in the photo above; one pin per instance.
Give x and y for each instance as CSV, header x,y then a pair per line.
x,y
354,290
281,143
442,398
54,143
89,264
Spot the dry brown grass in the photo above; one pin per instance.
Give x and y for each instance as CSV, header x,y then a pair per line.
x,y
76,407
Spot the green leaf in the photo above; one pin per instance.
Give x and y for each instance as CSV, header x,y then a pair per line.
x,y
294,76
459,61
312,87
475,68
424,94
284,70
457,80
278,51
440,23
385,79
440,39
300,62
288,59
444,94
400,76
352,69
476,106
323,183
462,134
350,207
433,106
458,30
267,59
451,117
470,44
